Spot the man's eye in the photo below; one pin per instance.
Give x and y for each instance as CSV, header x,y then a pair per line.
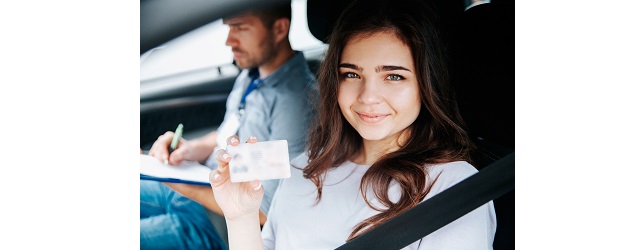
x,y
395,77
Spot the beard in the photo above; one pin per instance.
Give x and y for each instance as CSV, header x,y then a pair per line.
x,y
266,53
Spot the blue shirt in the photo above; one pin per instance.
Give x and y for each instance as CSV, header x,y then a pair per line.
x,y
279,109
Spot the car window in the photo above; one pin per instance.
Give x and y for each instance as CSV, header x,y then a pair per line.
x,y
205,47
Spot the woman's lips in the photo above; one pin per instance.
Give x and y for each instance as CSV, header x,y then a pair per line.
x,y
371,118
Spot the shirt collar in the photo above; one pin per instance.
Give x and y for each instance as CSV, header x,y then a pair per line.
x,y
282,71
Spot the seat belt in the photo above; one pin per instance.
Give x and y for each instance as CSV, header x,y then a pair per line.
x,y
488,184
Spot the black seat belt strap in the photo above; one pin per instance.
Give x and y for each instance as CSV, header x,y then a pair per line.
x,y
488,184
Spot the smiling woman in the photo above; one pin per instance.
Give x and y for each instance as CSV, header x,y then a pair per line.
x,y
388,136
378,100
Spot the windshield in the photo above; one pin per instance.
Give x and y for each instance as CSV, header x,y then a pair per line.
x,y
205,47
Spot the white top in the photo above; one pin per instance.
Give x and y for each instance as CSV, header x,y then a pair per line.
x,y
295,223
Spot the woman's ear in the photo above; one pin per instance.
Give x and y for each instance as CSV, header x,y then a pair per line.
x,y
281,29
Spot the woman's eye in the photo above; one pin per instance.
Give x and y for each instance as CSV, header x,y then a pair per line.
x,y
350,75
395,77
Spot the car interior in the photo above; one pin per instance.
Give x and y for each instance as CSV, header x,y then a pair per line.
x,y
481,50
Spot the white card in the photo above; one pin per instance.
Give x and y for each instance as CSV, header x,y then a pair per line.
x,y
259,161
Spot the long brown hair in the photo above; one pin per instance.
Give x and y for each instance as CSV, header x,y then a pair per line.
x,y
436,136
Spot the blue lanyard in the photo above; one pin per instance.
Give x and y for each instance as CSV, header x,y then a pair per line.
x,y
254,84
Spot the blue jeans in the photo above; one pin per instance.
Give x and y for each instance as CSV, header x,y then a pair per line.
x,y
169,220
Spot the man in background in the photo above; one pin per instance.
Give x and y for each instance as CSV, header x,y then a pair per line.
x,y
269,100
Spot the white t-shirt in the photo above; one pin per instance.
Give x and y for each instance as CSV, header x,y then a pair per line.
x,y
295,223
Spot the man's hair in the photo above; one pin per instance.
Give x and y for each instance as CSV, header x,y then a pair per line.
x,y
269,15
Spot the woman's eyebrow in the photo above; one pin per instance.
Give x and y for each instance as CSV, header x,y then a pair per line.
x,y
378,69
349,66
390,68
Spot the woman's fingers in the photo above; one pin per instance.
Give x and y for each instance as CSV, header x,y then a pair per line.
x,y
219,176
255,191
233,140
255,185
223,158
216,178
252,139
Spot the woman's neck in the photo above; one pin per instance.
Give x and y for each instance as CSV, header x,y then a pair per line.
x,y
371,151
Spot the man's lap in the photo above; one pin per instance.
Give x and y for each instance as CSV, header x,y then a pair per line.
x,y
170,221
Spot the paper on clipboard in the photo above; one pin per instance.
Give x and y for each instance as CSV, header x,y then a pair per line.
x,y
190,172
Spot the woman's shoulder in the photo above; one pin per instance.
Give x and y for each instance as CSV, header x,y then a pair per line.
x,y
454,168
300,161
445,175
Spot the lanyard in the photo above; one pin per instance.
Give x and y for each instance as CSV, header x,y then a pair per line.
x,y
254,84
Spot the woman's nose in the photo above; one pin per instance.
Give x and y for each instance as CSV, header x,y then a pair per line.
x,y
370,92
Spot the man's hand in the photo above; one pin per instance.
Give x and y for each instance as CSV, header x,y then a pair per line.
x,y
186,150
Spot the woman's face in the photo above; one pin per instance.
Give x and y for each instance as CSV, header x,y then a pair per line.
x,y
378,92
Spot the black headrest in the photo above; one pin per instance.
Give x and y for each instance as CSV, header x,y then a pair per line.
x,y
486,80
322,14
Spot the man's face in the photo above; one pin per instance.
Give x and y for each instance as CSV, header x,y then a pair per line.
x,y
251,42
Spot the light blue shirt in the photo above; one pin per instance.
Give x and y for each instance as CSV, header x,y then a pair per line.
x,y
279,109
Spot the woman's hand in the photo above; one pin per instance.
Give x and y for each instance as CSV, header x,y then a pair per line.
x,y
237,200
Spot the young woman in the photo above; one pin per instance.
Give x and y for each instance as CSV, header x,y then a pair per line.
x,y
388,137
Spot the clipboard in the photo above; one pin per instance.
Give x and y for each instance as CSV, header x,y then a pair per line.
x,y
189,172
172,180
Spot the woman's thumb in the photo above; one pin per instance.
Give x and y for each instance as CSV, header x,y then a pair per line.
x,y
255,185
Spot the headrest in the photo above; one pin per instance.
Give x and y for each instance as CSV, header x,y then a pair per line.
x,y
322,15
486,89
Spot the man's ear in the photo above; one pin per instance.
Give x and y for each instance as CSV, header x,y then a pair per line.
x,y
281,29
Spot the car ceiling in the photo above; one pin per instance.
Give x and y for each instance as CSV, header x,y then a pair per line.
x,y
163,20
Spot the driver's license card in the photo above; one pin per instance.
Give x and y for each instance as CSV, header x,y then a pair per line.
x,y
259,161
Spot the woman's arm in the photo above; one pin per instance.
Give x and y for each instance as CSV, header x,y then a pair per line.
x,y
240,202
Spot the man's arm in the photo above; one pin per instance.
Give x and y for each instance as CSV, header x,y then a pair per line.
x,y
203,195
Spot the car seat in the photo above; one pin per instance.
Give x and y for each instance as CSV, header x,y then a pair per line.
x,y
485,89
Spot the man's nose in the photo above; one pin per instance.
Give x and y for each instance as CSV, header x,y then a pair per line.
x,y
231,40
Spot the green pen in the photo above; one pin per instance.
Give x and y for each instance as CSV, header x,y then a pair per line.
x,y
175,140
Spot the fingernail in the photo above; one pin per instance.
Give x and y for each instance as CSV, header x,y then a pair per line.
x,y
226,156
233,140
258,187
215,177
166,162
253,138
